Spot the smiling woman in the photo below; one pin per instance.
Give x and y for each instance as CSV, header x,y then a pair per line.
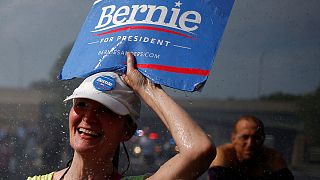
x,y
94,128
105,108
267,63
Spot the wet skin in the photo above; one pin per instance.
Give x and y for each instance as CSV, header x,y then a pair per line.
x,y
94,128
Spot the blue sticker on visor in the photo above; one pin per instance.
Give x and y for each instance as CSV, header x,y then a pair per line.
x,y
104,83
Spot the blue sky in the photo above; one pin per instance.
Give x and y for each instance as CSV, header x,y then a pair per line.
x,y
268,46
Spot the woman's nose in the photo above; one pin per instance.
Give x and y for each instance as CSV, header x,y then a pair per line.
x,y
90,116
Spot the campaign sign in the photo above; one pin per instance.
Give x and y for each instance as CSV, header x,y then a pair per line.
x,y
174,41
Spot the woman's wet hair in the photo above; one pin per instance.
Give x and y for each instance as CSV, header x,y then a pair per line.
x,y
131,126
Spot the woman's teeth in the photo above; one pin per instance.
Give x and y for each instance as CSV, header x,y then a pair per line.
x,y
88,132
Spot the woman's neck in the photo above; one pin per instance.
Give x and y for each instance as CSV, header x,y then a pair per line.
x,y
90,168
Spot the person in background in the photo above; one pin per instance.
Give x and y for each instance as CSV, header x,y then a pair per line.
x,y
105,107
246,158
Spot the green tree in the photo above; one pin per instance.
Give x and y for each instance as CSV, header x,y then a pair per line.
x,y
282,97
53,125
309,111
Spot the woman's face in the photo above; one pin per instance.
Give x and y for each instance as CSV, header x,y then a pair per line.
x,y
94,128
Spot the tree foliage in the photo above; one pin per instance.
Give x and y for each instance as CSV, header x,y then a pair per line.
x,y
53,125
282,97
309,111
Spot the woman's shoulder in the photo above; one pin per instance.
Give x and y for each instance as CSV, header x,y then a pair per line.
x,y
42,177
50,177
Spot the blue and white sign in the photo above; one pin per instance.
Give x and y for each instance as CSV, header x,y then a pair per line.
x,y
174,41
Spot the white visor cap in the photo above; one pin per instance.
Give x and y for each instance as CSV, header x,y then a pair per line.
x,y
108,89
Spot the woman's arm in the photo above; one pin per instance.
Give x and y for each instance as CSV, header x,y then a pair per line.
x,y
196,150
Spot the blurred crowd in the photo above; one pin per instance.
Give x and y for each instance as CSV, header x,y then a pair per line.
x,y
22,151
31,149
19,145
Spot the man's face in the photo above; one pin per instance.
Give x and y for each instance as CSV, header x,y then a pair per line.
x,y
247,140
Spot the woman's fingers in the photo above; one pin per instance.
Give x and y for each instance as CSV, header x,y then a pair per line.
x,y
130,68
133,77
130,62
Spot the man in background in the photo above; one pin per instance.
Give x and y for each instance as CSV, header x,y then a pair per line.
x,y
246,158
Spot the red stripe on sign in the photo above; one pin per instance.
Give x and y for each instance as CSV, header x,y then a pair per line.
x,y
180,70
143,28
